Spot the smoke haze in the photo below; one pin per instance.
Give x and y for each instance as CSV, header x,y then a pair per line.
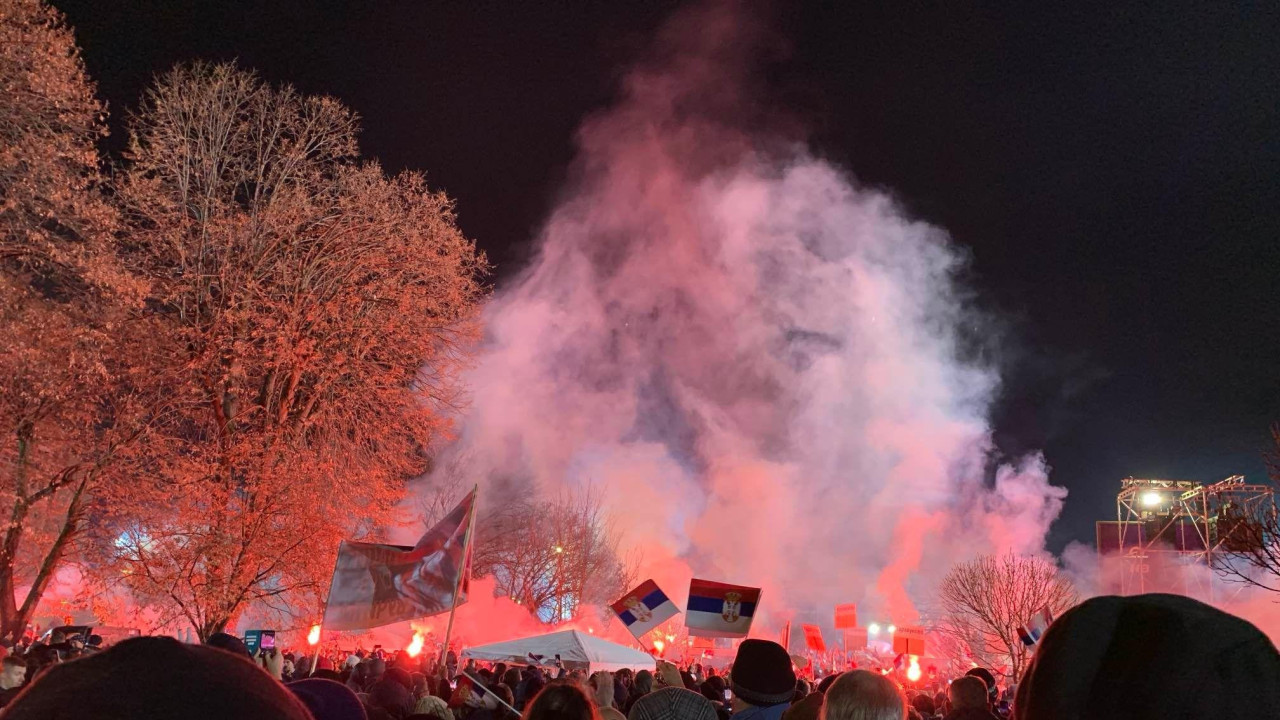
x,y
757,360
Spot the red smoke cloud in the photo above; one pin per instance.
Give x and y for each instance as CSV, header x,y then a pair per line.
x,y
756,358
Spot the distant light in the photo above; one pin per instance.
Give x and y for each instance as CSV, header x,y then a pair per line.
x,y
874,628
893,629
1152,499
559,549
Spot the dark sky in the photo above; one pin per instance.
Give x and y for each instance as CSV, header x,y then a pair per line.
x,y
1114,171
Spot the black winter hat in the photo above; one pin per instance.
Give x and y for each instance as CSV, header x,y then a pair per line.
x,y
762,674
1150,656
156,677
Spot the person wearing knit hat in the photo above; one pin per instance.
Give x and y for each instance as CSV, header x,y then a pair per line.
x,y
763,681
1150,656
328,700
673,703
156,677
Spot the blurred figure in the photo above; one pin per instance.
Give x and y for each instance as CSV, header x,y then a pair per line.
x,y
864,695
601,684
1150,656
561,701
970,699
157,677
13,673
328,699
642,686
673,703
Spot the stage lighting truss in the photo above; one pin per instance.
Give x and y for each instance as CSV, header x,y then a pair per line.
x,y
1179,521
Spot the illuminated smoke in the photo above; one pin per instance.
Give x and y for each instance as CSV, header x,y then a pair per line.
x,y
758,360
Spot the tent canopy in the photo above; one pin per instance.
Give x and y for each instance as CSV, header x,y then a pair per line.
x,y
577,650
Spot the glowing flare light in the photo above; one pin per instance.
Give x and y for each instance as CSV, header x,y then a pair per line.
x,y
913,670
313,637
415,645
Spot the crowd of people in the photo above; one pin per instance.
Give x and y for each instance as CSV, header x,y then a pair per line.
x,y
1150,656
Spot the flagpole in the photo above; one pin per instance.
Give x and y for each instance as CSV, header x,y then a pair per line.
x,y
324,616
466,568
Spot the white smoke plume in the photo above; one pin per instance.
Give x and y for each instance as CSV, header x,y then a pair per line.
x,y
758,360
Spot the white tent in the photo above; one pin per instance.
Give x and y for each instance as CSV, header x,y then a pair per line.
x,y
577,650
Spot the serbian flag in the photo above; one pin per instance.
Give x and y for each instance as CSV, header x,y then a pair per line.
x,y
644,608
720,610
1031,633
1025,636
375,584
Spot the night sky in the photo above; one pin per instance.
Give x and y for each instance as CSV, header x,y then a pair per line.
x,y
1114,172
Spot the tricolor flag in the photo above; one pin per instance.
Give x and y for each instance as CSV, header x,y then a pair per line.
x,y
1031,633
720,610
375,584
644,608
1025,636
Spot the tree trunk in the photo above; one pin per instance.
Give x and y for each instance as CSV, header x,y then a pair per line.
x,y
10,626
211,627
70,524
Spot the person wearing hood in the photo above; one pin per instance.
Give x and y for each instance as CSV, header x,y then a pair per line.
x,y
762,680
1149,656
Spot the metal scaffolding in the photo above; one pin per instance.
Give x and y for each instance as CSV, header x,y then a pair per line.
x,y
1174,523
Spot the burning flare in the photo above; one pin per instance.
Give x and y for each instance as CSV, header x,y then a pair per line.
x,y
913,670
313,637
415,645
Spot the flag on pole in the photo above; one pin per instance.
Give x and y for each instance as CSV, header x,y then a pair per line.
x,y
375,584
1031,633
720,610
644,608
813,638
1025,636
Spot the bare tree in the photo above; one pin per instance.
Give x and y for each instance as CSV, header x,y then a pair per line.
x,y
553,556
1250,534
311,314
65,404
984,600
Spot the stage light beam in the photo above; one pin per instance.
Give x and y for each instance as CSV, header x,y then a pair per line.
x,y
1151,499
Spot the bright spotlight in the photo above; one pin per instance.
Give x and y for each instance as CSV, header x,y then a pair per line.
x,y
892,629
874,628
1152,499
